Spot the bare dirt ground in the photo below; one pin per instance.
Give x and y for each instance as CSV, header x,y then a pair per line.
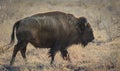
x,y
103,55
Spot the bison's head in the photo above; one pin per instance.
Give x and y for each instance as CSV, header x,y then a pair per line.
x,y
85,31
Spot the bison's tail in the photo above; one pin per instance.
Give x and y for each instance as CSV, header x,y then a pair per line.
x,y
13,32
7,46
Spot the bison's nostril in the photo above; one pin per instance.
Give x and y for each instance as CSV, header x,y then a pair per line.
x,y
93,41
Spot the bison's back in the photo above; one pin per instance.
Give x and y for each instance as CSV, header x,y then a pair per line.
x,y
44,30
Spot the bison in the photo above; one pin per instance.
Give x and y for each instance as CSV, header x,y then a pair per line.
x,y
55,30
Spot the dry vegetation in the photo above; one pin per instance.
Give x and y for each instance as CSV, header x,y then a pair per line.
x,y
103,55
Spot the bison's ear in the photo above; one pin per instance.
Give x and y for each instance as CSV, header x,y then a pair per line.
x,y
82,23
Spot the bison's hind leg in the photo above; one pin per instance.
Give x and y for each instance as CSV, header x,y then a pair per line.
x,y
19,46
23,51
16,49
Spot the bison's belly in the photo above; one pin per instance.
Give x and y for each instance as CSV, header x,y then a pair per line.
x,y
46,43
43,40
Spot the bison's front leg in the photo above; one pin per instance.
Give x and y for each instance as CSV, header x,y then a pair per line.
x,y
52,55
53,51
65,54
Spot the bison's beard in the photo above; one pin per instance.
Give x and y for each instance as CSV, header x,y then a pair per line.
x,y
84,43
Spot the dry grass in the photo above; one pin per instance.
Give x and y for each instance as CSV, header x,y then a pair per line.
x,y
92,58
100,56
